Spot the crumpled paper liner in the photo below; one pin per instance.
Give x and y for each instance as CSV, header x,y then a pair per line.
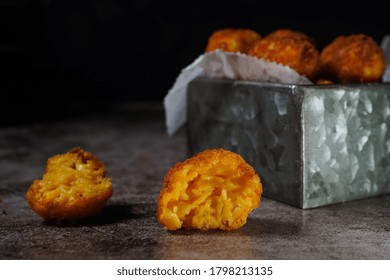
x,y
225,65
222,65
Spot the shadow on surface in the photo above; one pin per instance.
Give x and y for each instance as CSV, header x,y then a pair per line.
x,y
111,214
259,227
210,232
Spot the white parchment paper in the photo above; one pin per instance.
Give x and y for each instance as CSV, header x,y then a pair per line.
x,y
222,65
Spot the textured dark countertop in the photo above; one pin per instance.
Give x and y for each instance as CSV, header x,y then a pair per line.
x,y
137,153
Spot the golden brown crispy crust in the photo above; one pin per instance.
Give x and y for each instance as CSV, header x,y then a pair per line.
x,y
214,189
232,40
73,187
283,33
294,51
352,59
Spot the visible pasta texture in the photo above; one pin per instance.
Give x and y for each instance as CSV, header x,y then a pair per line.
x,y
215,189
73,187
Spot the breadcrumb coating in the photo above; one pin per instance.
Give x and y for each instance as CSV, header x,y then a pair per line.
x,y
292,49
232,40
355,58
73,187
214,189
288,33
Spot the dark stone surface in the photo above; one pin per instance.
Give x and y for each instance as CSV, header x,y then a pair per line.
x,y
137,153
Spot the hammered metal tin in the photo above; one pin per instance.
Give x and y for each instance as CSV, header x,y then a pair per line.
x,y
312,145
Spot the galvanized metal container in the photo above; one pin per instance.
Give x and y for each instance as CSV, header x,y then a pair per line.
x,y
312,145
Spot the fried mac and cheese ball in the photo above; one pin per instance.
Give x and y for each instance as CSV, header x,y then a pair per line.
x,y
232,40
354,58
214,189
74,186
289,48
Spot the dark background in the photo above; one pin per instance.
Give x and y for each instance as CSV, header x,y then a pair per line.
x,y
63,58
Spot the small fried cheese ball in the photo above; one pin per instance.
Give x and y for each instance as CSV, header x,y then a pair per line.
x,y
73,187
232,40
214,189
353,59
296,51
